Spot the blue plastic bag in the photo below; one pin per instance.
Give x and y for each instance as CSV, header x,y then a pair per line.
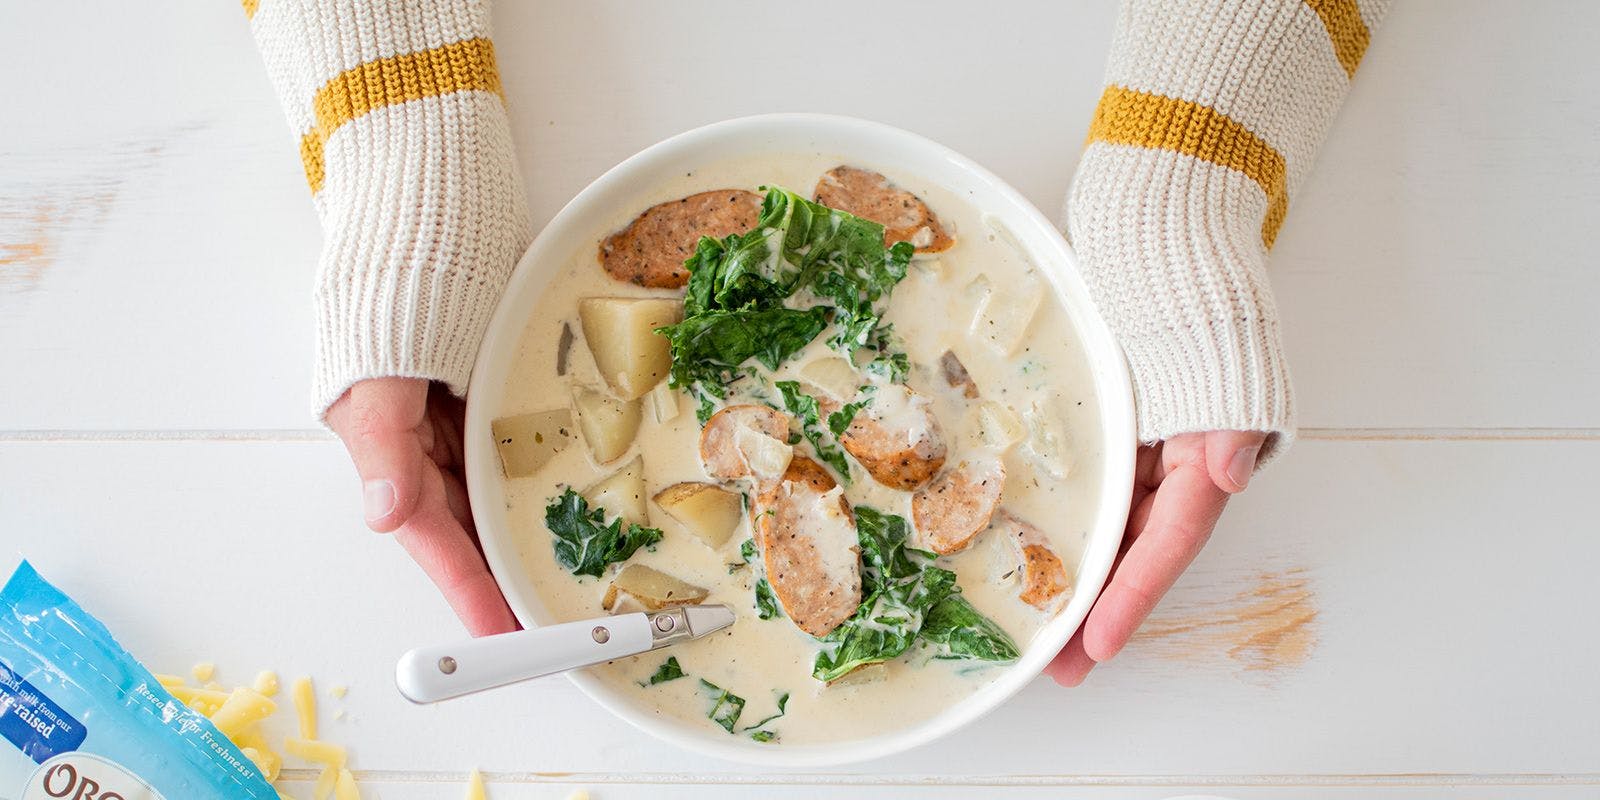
x,y
80,719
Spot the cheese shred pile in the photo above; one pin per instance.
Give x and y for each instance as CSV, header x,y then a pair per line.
x,y
238,713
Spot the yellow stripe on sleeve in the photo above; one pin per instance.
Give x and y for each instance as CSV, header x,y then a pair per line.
x,y
1131,117
1349,34
462,66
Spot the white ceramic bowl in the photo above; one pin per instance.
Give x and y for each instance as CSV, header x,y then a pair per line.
x,y
865,144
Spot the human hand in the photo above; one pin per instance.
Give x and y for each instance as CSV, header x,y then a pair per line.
x,y
1179,489
405,436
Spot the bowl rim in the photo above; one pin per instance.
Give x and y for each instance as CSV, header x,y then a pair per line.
x,y
1107,362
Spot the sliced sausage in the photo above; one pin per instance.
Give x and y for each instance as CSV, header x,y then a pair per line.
x,y
745,440
955,374
1044,576
809,548
866,194
896,438
958,505
651,250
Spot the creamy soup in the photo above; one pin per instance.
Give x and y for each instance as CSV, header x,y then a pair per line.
x,y
1030,406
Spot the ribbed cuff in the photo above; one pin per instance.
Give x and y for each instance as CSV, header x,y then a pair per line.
x,y
414,322
1171,249
425,219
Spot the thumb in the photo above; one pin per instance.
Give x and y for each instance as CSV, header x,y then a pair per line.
x,y
378,420
1231,458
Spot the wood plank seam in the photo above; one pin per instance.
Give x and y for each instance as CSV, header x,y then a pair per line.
x,y
1375,780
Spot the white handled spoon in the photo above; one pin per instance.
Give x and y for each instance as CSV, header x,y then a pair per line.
x,y
431,674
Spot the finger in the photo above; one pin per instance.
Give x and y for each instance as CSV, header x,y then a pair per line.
x,y
455,495
1185,448
1184,510
1072,664
378,421
1231,458
1139,518
1147,470
447,554
446,413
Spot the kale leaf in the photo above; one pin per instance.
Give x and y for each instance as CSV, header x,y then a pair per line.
x,y
783,702
957,630
900,585
766,602
907,597
584,542
725,705
707,349
839,421
668,671
741,301
804,407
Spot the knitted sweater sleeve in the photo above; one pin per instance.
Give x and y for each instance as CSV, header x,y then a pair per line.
x,y
1211,115
403,133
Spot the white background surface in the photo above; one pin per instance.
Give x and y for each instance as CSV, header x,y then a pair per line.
x,y
1402,607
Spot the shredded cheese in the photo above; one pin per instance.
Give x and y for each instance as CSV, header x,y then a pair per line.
x,y
324,787
475,789
305,705
316,751
266,682
243,708
267,759
338,692
188,695
239,713
345,787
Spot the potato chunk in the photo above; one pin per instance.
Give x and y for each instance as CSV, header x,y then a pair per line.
x,y
1002,314
621,493
652,589
708,511
620,332
664,405
998,427
527,441
608,424
1049,446
834,377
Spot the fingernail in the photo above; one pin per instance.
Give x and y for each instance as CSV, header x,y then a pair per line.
x,y
377,497
1243,466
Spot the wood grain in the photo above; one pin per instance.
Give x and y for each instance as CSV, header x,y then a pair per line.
x,y
63,196
609,787
1268,624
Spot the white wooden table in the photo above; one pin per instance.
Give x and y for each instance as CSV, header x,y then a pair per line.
x,y
1403,607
